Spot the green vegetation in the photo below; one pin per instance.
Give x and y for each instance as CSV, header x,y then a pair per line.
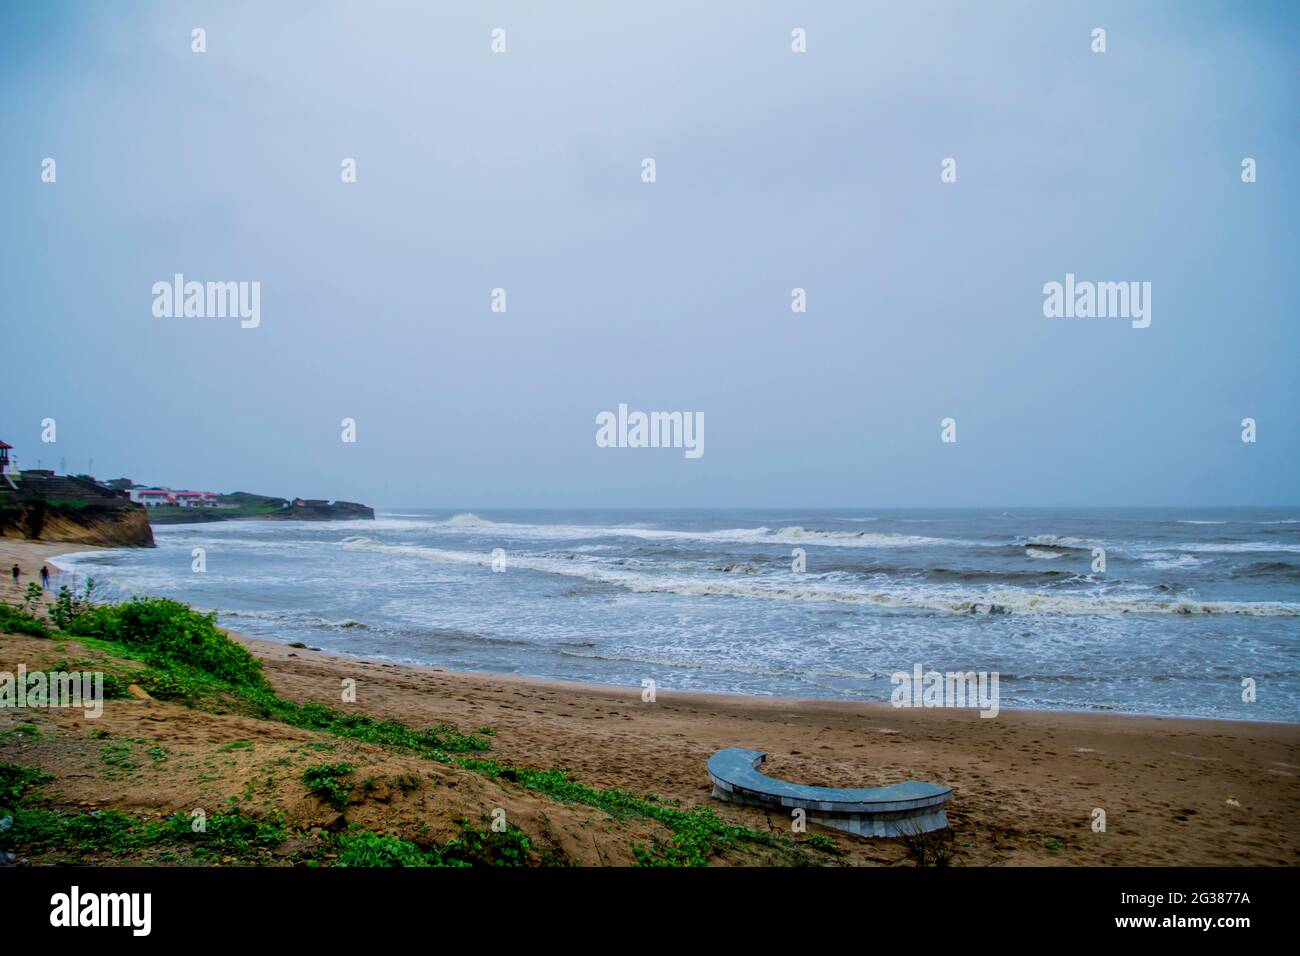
x,y
326,781
14,620
819,841
68,605
365,848
170,633
229,834
14,781
189,659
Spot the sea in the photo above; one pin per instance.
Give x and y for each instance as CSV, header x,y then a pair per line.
x,y
1193,613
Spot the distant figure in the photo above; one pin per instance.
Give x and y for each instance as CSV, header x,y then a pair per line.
x,y
16,572
45,577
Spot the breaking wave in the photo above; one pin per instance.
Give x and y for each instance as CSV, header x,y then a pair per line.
x,y
945,600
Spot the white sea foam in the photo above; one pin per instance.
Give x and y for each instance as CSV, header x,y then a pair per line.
x,y
1230,547
469,522
314,620
1061,541
920,597
1165,562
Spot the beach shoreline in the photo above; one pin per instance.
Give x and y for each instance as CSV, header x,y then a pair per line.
x,y
32,553
1027,784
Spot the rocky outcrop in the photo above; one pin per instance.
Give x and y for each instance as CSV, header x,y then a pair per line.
x,y
318,510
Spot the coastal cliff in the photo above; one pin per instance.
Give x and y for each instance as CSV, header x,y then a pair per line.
x,y
41,506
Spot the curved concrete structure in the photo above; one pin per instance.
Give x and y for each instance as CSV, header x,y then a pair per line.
x,y
901,809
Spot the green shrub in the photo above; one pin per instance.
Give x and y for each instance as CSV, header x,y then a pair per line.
x,y
14,620
508,847
168,632
69,606
15,779
325,780
367,848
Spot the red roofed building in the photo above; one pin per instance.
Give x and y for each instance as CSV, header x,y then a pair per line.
x,y
152,497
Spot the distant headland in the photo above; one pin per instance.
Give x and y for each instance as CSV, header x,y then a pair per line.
x,y
38,504
190,507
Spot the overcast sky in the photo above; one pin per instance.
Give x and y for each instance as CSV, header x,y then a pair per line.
x,y
775,170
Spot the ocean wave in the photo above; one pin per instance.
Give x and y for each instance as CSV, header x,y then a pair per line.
x,y
1061,541
469,522
1268,569
1043,553
298,617
990,601
1164,561
1229,547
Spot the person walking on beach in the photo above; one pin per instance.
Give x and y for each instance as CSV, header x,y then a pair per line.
x,y
16,572
45,577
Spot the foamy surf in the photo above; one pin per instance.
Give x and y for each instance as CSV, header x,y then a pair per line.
x,y
1178,614
992,601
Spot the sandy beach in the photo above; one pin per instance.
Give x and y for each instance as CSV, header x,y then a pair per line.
x,y
1026,784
